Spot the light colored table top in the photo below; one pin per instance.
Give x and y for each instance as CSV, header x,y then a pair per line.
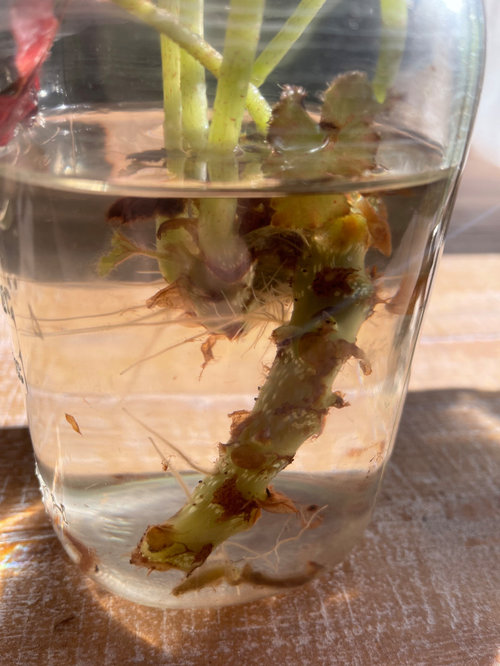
x,y
423,588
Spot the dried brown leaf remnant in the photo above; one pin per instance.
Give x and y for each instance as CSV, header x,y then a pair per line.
x,y
169,297
333,280
291,128
277,502
247,456
164,536
348,99
239,420
375,214
338,400
249,575
207,350
231,575
233,503
73,423
343,144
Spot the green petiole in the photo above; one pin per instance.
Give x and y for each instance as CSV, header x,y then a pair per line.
x,y
240,46
222,247
283,41
193,88
394,15
167,24
171,76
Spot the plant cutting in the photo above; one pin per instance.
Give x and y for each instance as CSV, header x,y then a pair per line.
x,y
322,240
288,245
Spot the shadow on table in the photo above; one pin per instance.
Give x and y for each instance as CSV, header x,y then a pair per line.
x,y
422,588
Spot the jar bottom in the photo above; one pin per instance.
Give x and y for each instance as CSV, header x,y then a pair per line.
x,y
99,527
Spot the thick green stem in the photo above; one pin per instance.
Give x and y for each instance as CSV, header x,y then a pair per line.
x,y
197,47
223,250
333,295
283,41
332,291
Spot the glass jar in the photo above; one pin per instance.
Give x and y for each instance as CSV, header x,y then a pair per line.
x,y
216,254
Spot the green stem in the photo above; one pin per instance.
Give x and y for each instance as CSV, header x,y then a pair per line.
x,y
224,253
283,41
290,408
171,74
197,47
223,250
240,46
193,88
394,15
172,112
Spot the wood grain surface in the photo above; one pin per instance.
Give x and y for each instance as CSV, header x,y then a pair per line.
x,y
422,588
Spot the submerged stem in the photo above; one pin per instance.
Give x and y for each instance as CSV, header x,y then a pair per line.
x,y
331,288
223,250
333,295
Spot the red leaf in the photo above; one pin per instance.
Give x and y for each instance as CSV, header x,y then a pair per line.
x,y
33,26
14,109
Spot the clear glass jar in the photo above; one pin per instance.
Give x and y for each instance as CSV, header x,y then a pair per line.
x,y
214,324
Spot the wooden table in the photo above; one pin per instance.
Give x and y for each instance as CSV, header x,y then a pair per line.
x,y
423,588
